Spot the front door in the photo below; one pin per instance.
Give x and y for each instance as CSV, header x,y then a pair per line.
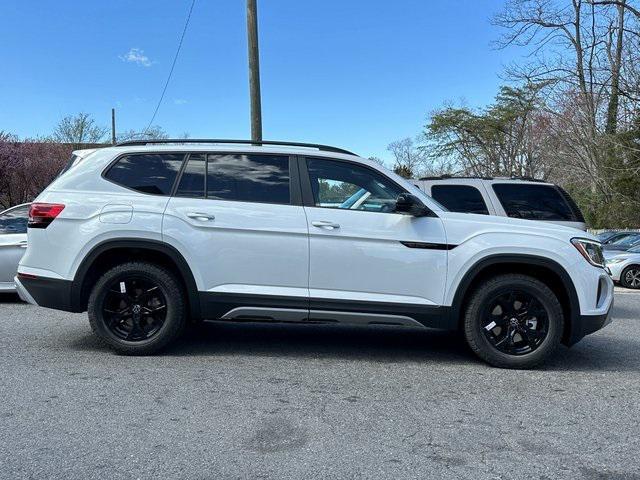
x,y
364,257
238,220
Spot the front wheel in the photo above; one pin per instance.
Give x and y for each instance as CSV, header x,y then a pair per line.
x,y
513,321
630,277
137,308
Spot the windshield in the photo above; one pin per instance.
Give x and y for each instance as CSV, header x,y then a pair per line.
x,y
627,241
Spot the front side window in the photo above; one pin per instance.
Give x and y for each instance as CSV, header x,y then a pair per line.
x,y
460,198
533,202
347,186
15,220
249,178
146,173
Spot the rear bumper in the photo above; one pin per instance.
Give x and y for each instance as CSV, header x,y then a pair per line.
x,y
45,292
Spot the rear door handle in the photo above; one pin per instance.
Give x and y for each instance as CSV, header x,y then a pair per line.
x,y
325,224
22,244
205,217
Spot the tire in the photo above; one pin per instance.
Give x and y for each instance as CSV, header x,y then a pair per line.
x,y
153,327
630,277
537,341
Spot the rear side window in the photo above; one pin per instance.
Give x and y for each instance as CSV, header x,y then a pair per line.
x,y
248,178
460,198
146,173
533,202
193,177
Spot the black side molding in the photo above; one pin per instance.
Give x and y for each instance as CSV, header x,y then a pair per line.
x,y
429,246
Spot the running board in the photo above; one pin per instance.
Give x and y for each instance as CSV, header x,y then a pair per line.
x,y
262,314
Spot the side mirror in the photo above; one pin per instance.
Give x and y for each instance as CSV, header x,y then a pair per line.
x,y
409,204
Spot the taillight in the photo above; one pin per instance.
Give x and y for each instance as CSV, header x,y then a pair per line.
x,y
42,214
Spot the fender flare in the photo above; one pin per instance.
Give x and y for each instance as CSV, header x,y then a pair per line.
x,y
139,244
523,259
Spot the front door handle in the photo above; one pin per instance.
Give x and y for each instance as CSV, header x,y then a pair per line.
x,y
205,217
325,224
22,244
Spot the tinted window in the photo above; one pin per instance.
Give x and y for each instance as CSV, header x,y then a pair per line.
x,y
193,177
348,186
533,202
15,220
248,178
460,198
147,173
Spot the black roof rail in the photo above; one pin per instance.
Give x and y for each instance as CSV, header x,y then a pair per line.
x,y
324,148
512,177
448,176
527,178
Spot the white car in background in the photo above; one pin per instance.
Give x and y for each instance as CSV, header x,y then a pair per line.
x,y
13,242
625,266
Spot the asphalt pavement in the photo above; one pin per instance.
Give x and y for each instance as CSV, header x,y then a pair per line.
x,y
285,401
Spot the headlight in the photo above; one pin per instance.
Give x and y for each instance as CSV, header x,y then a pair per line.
x,y
613,261
590,250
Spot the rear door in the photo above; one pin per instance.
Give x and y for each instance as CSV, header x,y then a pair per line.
x,y
239,222
363,256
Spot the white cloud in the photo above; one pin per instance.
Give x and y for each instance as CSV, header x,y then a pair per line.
x,y
136,55
180,101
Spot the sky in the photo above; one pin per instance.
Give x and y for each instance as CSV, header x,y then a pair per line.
x,y
352,73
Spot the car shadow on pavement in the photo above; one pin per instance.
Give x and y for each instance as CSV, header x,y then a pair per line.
x,y
597,352
9,298
384,344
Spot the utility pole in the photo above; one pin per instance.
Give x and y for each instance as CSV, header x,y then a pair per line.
x,y
254,71
113,126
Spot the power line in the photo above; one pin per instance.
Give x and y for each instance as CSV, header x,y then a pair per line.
x,y
175,59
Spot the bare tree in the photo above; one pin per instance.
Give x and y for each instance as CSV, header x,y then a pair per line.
x,y
79,129
408,159
154,132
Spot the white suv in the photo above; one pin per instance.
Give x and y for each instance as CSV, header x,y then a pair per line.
x,y
148,237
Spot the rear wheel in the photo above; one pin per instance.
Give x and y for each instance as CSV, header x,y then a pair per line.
x,y
137,308
513,321
630,277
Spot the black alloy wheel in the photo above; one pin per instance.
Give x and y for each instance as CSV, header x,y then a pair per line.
x,y
138,308
515,323
513,320
134,308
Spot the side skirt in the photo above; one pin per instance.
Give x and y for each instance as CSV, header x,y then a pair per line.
x,y
268,308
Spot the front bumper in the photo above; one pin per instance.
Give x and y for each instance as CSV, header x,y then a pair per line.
x,y
587,324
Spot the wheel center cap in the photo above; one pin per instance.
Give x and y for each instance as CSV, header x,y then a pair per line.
x,y
136,309
514,321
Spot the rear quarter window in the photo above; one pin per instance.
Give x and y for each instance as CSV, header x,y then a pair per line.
x,y
534,202
152,173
